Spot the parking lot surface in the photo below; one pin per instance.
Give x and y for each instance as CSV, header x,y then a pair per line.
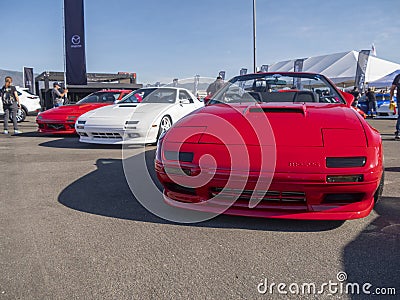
x,y
71,228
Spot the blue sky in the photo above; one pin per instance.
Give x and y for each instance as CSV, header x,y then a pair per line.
x,y
161,40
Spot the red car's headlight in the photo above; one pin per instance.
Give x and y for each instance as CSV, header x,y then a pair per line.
x,y
345,162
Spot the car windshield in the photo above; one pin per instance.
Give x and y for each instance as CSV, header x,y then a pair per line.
x,y
161,95
382,97
269,87
100,97
137,96
28,92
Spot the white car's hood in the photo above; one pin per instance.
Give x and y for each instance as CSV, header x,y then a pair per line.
x,y
153,109
118,114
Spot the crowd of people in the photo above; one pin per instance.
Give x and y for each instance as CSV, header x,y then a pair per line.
x,y
370,99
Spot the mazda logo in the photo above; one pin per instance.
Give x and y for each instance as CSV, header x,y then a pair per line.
x,y
76,39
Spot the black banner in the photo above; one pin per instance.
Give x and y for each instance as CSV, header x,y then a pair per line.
x,y
362,63
28,79
298,67
75,42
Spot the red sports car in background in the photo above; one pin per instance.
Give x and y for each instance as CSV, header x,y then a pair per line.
x,y
274,145
61,120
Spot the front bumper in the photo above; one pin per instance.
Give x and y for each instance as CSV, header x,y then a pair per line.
x,y
114,135
56,127
290,196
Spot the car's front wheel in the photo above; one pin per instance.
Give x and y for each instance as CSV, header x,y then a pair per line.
x,y
165,124
21,115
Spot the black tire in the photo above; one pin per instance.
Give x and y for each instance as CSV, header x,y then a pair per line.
x,y
21,115
163,125
379,190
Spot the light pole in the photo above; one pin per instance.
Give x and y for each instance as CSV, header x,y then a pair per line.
x,y
254,37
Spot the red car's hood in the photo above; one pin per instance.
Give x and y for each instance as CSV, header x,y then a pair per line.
x,y
70,110
300,125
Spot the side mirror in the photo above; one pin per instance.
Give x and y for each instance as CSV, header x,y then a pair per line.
x,y
349,98
184,101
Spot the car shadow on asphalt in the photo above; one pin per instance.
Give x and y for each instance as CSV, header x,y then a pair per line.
x,y
72,142
373,256
65,141
36,134
392,169
106,192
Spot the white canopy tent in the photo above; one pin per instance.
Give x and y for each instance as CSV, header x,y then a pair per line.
x,y
385,81
340,67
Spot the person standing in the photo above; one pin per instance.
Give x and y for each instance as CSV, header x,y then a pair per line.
x,y
57,95
215,86
396,86
371,99
10,99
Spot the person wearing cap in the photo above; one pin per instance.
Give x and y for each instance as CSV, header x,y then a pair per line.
x,y
215,86
57,96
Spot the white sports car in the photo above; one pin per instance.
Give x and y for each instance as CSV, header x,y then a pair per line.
x,y
131,122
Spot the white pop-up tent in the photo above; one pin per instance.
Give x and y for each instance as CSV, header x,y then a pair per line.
x,y
340,67
385,81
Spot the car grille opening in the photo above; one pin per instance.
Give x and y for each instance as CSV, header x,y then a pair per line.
x,y
343,198
173,187
268,196
106,135
55,126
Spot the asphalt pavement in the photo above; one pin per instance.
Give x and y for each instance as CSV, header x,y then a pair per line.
x,y
70,228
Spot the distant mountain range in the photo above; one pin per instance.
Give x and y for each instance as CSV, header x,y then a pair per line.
x,y
16,76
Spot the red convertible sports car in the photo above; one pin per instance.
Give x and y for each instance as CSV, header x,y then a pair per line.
x,y
274,145
61,120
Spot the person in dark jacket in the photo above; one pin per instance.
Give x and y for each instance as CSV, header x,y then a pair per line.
x,y
215,86
371,99
57,95
10,99
396,86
